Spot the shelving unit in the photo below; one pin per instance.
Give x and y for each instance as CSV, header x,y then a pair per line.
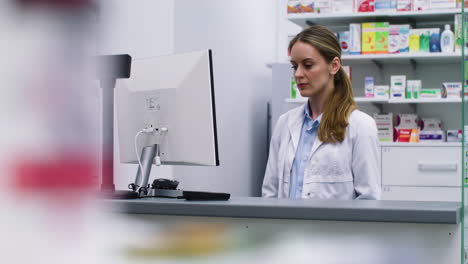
x,y
432,69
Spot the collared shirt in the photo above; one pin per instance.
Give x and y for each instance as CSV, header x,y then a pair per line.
x,y
303,153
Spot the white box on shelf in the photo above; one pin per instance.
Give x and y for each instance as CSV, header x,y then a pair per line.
x,y
394,39
431,136
413,88
322,6
451,90
342,6
383,120
454,135
385,134
384,123
343,37
354,38
369,87
430,93
384,5
420,5
443,4
404,5
397,86
407,121
404,38
381,91
430,124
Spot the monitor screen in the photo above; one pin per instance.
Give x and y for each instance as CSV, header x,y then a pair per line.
x,y
174,92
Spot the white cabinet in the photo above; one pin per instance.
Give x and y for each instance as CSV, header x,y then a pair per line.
x,y
424,172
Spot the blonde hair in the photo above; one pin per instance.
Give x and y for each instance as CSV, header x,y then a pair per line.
x,y
340,103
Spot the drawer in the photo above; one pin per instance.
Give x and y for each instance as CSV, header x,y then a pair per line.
x,y
421,166
425,193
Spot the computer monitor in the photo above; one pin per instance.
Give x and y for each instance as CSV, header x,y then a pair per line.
x,y
173,92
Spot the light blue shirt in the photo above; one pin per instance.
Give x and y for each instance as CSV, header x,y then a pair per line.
x,y
303,153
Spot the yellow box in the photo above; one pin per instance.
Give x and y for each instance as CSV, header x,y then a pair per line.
x,y
414,40
368,38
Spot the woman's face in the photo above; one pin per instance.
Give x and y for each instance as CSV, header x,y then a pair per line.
x,y
312,73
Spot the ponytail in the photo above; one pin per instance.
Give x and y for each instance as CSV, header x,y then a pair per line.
x,y
337,109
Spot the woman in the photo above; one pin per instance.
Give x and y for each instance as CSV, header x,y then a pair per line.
x,y
326,148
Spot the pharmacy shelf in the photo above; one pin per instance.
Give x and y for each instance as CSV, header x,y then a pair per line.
x,y
440,16
370,100
403,58
398,58
424,100
420,144
388,101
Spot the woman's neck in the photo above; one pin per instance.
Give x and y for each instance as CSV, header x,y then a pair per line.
x,y
317,101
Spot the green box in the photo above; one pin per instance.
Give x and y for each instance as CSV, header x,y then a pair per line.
x,y
293,88
381,37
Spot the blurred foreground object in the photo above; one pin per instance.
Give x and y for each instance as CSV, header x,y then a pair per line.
x,y
54,135
55,3
109,69
49,132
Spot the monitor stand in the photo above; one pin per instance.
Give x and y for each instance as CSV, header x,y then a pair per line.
x,y
164,187
147,156
160,187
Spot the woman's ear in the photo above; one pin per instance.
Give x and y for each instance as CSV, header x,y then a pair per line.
x,y
335,66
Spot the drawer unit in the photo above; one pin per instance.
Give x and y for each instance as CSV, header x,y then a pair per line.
x,y
421,166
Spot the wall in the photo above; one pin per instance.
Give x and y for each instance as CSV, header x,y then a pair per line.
x,y
142,28
242,35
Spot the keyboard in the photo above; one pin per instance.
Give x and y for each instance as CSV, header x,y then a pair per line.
x,y
205,196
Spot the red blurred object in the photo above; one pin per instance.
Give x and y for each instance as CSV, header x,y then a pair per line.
x,y
365,5
69,171
56,3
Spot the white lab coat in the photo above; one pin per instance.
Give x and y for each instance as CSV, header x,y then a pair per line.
x,y
346,170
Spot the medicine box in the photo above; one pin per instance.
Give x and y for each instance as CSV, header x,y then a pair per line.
x,y
368,38
364,5
384,123
342,6
381,37
407,121
454,135
451,90
413,88
431,136
397,86
355,39
381,91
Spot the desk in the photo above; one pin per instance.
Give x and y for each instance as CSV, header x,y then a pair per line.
x,y
324,231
